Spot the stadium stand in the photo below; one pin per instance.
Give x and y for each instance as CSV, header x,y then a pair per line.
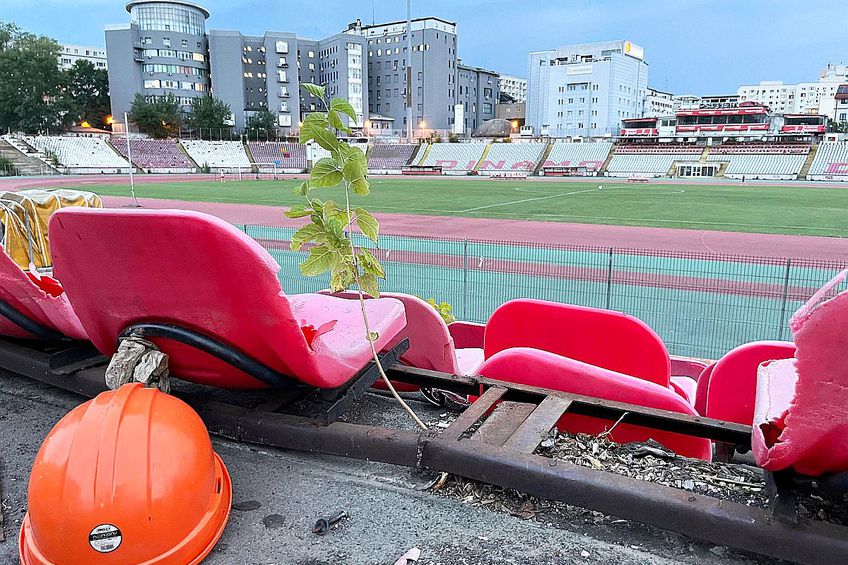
x,y
656,149
218,154
588,155
390,157
648,163
453,158
761,148
288,157
512,157
81,155
831,162
760,165
155,155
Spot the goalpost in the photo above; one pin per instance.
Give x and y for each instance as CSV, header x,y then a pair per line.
x,y
257,171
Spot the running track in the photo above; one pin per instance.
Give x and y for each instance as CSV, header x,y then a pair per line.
x,y
486,229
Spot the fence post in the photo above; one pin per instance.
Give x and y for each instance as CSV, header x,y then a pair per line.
x,y
465,279
785,304
609,279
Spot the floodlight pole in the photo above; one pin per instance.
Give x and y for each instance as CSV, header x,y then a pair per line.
x,y
135,203
409,135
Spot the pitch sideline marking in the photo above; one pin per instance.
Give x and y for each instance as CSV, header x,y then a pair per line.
x,y
525,200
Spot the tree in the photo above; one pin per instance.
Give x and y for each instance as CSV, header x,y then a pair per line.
x,y
210,114
32,86
158,117
88,89
262,125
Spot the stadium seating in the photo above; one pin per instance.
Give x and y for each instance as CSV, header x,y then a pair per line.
x,y
589,155
759,165
454,157
289,157
647,164
81,155
764,148
512,157
390,156
155,155
217,154
831,162
657,149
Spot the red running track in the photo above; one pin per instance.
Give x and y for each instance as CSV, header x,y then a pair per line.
x,y
487,229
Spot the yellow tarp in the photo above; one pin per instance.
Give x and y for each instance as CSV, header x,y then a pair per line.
x,y
24,216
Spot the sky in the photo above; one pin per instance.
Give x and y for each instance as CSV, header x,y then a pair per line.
x,y
692,46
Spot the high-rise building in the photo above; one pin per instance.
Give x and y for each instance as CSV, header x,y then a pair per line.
x,y
477,94
162,50
586,90
265,73
70,54
802,98
658,103
514,87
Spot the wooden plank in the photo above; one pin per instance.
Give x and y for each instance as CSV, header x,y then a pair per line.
x,y
538,425
502,422
473,413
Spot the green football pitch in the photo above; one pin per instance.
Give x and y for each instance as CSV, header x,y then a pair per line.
x,y
786,209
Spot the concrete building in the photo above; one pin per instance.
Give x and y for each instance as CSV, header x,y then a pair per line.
x,y
72,53
514,87
476,97
802,98
433,66
658,103
692,102
252,74
162,50
586,90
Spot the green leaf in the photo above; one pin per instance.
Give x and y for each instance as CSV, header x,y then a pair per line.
x,y
298,211
326,139
370,265
368,284
335,120
342,106
360,187
368,224
302,188
331,210
342,277
304,235
314,90
325,173
319,261
356,165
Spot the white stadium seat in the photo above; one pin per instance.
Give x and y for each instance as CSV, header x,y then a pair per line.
x,y
648,163
390,156
454,157
217,154
589,155
758,165
81,154
512,157
831,162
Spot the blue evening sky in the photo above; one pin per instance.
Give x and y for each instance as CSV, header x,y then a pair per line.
x,y
692,46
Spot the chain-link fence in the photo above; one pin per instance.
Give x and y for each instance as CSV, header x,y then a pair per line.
x,y
702,305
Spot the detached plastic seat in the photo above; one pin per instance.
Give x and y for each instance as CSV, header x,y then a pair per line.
x,y
197,272
544,369
801,416
41,301
730,387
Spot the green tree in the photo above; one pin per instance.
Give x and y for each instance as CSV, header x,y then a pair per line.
x,y
158,117
262,125
88,89
210,117
32,86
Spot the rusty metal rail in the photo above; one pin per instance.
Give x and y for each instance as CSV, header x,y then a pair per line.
x,y
494,441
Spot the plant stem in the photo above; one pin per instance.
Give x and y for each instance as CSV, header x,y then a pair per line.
x,y
376,357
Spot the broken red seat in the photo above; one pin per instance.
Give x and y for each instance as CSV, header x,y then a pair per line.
x,y
197,272
548,370
730,388
801,415
40,299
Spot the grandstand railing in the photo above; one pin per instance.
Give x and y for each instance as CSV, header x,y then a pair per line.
x,y
701,304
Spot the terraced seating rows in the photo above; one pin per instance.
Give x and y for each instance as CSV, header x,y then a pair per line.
x,y
217,154
286,156
649,164
760,165
454,157
831,161
80,154
390,156
157,155
589,155
513,157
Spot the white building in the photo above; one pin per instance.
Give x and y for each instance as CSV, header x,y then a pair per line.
x,y
70,54
513,86
586,90
658,103
802,98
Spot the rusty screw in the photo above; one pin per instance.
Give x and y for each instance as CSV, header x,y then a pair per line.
x,y
322,526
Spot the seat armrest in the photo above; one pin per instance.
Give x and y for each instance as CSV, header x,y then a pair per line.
x,y
687,367
467,334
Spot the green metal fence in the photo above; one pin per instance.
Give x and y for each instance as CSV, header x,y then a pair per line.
x,y
702,305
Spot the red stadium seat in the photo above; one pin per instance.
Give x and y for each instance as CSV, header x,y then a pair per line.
x,y
194,271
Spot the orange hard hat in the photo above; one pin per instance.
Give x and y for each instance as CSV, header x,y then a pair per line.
x,y
129,477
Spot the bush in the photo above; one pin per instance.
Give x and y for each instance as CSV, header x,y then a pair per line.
x,y
7,167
